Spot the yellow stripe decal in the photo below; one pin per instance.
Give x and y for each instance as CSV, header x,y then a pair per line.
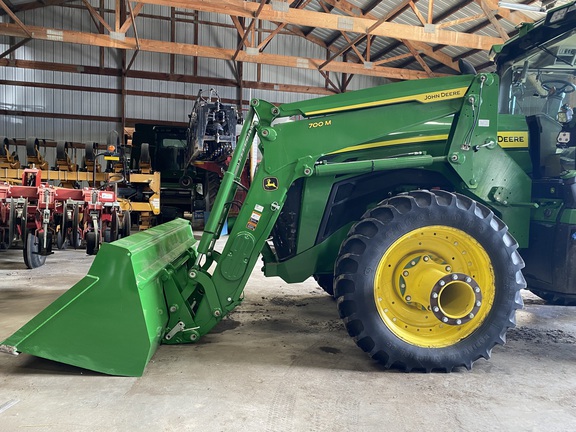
x,y
434,96
509,139
394,142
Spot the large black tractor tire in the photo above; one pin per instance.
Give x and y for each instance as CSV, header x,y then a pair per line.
x,y
32,257
9,233
91,243
61,237
114,226
326,282
126,224
429,280
61,240
76,238
211,189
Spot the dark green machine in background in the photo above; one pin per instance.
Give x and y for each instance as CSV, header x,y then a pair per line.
x,y
413,204
190,159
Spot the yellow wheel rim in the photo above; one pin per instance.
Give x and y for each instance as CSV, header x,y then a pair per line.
x,y
434,286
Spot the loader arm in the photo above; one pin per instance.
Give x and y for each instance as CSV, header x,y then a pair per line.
x,y
291,151
184,289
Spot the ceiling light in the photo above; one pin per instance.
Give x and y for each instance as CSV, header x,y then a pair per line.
x,y
520,6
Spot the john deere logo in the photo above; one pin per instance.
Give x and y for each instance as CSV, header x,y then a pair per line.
x,y
270,184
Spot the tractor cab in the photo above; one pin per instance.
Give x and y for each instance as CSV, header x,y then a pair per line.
x,y
538,81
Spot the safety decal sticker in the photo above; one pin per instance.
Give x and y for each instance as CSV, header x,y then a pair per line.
x,y
270,184
255,217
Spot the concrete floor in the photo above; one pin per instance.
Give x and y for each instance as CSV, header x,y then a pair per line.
x,y
281,362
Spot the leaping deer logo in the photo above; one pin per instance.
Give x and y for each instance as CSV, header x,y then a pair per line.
x,y
270,183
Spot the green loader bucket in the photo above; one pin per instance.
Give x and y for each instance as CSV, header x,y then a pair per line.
x,y
112,320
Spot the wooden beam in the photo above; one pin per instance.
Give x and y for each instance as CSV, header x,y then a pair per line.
x,y
425,48
458,21
159,76
237,24
249,30
416,55
515,17
96,15
333,22
361,37
437,55
417,12
15,47
492,18
117,18
271,36
393,59
205,51
128,23
15,18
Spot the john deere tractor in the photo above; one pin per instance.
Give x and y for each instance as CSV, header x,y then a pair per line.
x,y
423,207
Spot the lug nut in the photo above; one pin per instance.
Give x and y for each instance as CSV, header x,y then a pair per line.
x,y
426,258
455,277
436,309
448,268
445,319
458,322
408,298
434,295
405,273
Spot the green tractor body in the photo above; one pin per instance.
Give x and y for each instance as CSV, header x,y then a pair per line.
x,y
416,204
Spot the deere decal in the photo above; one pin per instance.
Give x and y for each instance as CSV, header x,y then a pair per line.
x,y
270,184
513,139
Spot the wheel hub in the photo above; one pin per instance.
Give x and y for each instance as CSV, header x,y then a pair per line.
x,y
455,299
434,286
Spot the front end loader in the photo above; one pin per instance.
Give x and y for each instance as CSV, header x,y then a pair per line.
x,y
411,203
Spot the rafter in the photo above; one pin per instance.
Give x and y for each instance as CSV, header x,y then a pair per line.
x,y
393,59
129,21
15,47
515,17
334,22
361,37
203,51
430,11
447,24
15,18
360,22
416,55
249,30
95,15
417,12
492,18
